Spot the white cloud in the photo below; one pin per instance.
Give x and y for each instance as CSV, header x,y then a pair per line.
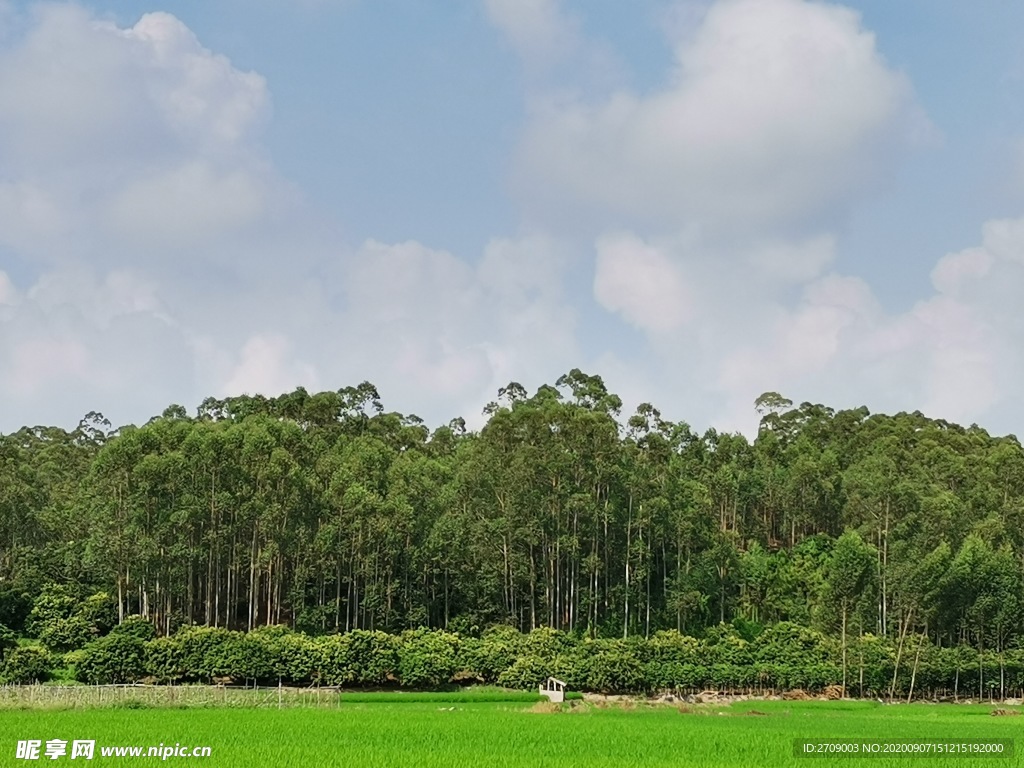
x,y
125,143
777,110
641,283
436,330
78,340
953,355
167,262
185,205
36,363
954,270
201,95
791,345
8,293
796,262
266,366
538,29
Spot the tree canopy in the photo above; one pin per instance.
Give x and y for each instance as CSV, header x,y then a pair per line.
x,y
327,513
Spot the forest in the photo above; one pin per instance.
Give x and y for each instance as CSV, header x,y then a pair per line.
x,y
326,516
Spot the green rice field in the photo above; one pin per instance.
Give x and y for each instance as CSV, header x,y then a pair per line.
x,y
438,731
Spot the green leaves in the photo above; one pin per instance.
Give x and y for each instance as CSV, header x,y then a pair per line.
x,y
322,511
26,665
117,658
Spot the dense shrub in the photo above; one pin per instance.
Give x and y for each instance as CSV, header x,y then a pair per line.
x,y
117,658
297,658
63,622
615,666
66,633
724,645
29,664
671,658
137,627
15,605
548,643
209,652
427,658
7,640
359,657
256,657
791,645
491,654
526,672
99,612
784,656
164,660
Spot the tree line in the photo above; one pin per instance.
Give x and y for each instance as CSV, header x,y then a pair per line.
x,y
733,658
327,514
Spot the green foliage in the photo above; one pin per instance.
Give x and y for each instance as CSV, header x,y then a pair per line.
x,y
427,659
560,516
672,660
137,627
15,606
204,653
99,612
358,658
116,658
526,672
784,656
163,660
289,656
614,666
788,644
26,664
65,634
54,619
492,653
8,640
724,645
63,622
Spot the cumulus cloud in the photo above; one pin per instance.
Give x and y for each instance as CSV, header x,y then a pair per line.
x,y
157,257
445,332
128,142
78,339
185,205
266,366
641,283
776,110
954,354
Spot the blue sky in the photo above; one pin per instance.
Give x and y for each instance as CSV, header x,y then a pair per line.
x,y
699,200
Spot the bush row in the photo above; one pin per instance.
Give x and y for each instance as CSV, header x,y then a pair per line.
x,y
782,657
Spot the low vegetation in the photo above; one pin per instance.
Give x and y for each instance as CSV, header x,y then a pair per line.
x,y
781,658
428,734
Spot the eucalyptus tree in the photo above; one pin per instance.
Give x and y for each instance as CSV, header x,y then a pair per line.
x,y
848,575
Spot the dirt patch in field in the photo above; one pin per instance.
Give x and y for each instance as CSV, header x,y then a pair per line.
x,y
1005,712
756,713
797,694
545,708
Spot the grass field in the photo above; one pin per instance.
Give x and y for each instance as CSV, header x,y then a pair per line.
x,y
480,734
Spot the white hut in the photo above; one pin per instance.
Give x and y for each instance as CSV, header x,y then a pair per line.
x,y
554,689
